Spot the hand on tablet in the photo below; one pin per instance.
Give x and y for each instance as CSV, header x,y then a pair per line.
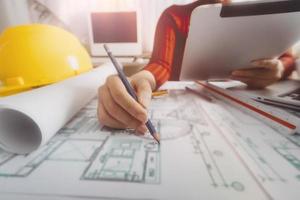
x,y
261,74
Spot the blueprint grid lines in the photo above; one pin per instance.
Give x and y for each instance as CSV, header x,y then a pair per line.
x,y
205,147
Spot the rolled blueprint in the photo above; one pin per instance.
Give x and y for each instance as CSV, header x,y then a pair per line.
x,y
29,119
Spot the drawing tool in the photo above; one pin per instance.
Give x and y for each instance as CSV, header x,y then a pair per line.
x,y
130,90
273,102
159,93
275,118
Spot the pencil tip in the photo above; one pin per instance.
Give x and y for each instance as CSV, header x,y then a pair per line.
x,y
157,137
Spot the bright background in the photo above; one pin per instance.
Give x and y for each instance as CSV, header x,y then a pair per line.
x,y
72,14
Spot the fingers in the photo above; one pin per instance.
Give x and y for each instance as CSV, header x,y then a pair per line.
x,y
261,69
142,129
263,73
106,119
253,83
124,100
144,93
266,63
256,73
116,111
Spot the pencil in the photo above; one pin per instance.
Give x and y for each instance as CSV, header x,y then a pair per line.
x,y
130,90
159,93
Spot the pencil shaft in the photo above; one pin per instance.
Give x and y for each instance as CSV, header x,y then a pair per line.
x,y
121,74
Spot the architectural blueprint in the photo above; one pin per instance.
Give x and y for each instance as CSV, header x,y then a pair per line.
x,y
208,150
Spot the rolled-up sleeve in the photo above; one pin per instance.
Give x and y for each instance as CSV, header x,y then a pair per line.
x,y
289,63
163,52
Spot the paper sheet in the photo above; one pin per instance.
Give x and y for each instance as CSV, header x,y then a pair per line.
x,y
28,120
207,151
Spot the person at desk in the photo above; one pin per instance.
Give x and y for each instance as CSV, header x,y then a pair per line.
x,y
118,109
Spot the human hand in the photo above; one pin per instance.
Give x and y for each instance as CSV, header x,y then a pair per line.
x,y
263,73
117,109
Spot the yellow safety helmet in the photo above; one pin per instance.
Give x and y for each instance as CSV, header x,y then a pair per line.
x,y
36,55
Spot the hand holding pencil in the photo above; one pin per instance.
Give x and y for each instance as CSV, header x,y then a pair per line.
x,y
118,109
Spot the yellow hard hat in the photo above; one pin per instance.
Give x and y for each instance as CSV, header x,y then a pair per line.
x,y
36,55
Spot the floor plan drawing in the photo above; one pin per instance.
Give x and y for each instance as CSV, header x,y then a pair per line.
x,y
288,152
208,150
115,158
263,148
210,159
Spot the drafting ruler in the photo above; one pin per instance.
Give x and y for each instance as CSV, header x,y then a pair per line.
x,y
278,119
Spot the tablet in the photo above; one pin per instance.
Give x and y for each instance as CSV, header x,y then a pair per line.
x,y
224,38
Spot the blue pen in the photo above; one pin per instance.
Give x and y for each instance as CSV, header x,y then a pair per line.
x,y
131,91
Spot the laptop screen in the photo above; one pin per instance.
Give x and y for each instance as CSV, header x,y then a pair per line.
x,y
114,27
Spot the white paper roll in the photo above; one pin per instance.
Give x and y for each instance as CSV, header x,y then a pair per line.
x,y
28,120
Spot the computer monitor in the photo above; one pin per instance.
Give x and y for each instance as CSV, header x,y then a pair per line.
x,y
120,30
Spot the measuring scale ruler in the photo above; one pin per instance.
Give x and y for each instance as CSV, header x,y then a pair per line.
x,y
276,118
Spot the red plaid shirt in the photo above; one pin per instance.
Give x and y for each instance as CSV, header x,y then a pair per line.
x,y
170,38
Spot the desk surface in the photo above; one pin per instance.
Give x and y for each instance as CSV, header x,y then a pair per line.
x,y
208,151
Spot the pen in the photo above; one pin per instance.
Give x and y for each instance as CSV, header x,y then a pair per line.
x,y
273,102
130,90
